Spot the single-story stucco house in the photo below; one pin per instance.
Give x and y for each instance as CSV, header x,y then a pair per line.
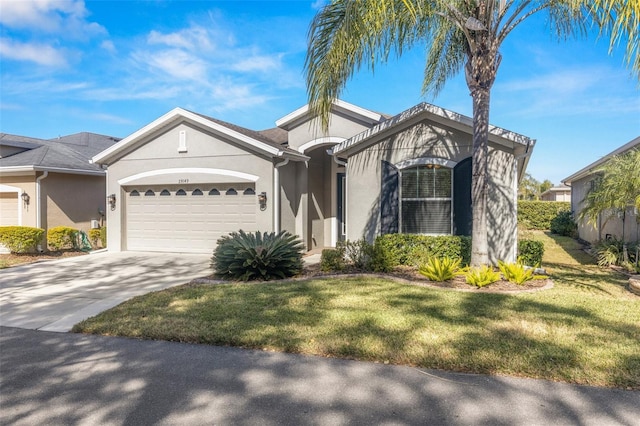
x,y
185,179
557,193
48,183
581,182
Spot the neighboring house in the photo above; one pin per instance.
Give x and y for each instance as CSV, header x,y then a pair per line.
x,y
557,193
581,182
47,183
185,179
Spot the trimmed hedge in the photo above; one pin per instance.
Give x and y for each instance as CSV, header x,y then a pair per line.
x,y
530,252
414,250
21,239
563,224
539,214
61,237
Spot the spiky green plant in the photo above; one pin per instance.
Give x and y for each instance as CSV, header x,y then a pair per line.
x,y
481,276
515,272
257,256
437,269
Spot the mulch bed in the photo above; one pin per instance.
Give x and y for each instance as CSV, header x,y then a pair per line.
x,y
412,276
12,259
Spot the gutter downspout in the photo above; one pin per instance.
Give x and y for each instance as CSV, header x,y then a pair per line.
x,y
38,200
276,195
515,196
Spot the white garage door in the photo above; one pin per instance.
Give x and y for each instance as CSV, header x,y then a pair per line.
x,y
9,209
187,218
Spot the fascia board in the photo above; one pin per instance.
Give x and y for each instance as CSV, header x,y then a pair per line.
x,y
171,116
591,168
434,113
14,170
355,111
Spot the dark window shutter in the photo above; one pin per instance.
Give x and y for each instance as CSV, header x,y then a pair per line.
x,y
389,199
462,215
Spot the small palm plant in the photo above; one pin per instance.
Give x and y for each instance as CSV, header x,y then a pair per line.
x,y
257,256
437,269
515,272
481,276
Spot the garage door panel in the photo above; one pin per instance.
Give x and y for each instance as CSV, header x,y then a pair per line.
x,y
9,209
191,222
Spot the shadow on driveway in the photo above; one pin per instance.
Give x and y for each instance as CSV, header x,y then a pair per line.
x,y
57,294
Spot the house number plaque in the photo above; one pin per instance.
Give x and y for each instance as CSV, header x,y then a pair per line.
x,y
183,180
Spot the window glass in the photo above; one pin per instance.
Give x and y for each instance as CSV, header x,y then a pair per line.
x,y
181,192
426,199
231,191
214,192
149,193
134,193
165,192
196,192
249,191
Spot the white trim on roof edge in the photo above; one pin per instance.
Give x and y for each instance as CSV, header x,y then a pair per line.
x,y
434,111
353,109
586,171
186,170
113,151
320,141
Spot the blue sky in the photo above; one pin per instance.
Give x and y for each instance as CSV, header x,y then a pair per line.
x,y
111,67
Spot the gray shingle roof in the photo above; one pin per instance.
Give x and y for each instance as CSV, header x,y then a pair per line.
x,y
67,152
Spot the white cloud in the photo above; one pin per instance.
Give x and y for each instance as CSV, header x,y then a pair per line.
x,y
193,38
108,46
174,63
261,63
318,4
68,17
31,52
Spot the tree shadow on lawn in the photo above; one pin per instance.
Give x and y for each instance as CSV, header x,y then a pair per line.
x,y
587,277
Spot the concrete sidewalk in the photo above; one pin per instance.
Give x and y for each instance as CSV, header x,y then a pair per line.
x,y
60,378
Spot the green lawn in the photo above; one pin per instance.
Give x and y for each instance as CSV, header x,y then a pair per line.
x,y
584,330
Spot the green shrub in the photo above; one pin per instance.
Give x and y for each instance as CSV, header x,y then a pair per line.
x,y
21,239
539,214
61,237
437,269
481,276
414,250
257,256
563,224
332,260
381,261
103,236
530,252
95,237
515,272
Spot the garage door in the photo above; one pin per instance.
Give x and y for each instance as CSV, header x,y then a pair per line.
x,y
187,218
9,209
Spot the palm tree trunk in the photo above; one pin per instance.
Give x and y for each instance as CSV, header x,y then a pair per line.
x,y
479,234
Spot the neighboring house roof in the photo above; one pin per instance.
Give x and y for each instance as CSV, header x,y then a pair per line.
x,y
69,154
258,141
435,113
303,114
559,188
593,167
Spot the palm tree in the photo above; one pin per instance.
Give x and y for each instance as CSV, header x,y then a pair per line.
x,y
459,34
615,191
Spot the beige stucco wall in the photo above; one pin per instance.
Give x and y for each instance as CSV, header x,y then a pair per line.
x,y
556,196
340,126
421,141
72,200
204,150
26,184
606,224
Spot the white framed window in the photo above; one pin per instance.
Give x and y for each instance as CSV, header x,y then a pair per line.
x,y
426,199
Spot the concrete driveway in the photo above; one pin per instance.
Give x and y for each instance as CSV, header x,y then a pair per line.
x,y
55,295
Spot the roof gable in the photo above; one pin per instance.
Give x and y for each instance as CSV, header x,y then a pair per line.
x,y
434,113
252,139
303,114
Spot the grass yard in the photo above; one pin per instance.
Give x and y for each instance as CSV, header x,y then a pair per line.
x,y
585,330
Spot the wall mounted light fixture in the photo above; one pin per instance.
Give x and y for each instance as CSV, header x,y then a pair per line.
x,y
111,199
262,200
25,198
